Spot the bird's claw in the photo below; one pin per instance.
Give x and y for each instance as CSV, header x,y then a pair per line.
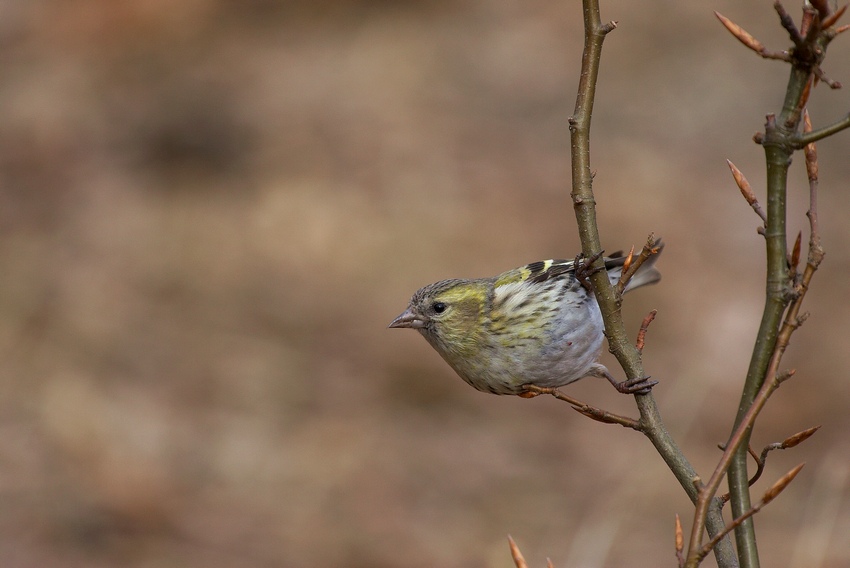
x,y
583,270
638,385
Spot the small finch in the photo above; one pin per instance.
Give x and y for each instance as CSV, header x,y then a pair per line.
x,y
534,325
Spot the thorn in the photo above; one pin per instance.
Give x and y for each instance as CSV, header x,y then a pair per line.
x,y
549,563
830,20
680,537
842,29
740,34
629,258
799,437
746,190
519,561
795,252
644,326
810,150
781,484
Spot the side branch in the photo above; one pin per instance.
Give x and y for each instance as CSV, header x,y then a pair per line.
x,y
813,136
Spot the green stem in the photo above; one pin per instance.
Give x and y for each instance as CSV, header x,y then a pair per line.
x,y
778,149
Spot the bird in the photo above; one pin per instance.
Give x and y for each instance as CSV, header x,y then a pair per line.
x,y
538,325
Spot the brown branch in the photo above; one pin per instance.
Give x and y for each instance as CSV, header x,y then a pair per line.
x,y
821,76
644,326
769,496
788,23
761,460
830,20
752,43
651,248
822,7
584,204
582,408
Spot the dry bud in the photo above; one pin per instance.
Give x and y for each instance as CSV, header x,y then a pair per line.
x,y
799,437
781,484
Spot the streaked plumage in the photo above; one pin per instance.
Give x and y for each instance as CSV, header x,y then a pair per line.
x,y
535,324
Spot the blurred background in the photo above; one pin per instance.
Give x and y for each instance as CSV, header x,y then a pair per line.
x,y
210,211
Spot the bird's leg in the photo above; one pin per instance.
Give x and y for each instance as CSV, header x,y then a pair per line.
x,y
530,391
638,385
583,271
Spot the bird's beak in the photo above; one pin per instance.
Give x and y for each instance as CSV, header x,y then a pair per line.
x,y
409,319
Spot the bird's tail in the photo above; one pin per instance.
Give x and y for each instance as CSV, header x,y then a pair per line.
x,y
646,274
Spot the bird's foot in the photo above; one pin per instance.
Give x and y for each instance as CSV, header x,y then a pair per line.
x,y
583,270
638,385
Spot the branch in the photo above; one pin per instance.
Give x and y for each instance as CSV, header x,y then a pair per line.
x,y
585,209
652,247
761,460
810,137
748,40
590,411
644,327
769,496
792,321
778,142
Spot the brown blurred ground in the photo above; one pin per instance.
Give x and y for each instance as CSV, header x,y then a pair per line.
x,y
210,210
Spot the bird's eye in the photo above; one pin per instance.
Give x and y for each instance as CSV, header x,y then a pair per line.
x,y
439,307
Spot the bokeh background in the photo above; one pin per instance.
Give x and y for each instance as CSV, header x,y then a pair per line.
x,y
210,210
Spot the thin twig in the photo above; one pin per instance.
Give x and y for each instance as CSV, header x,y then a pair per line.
x,y
748,40
830,20
788,23
769,496
761,460
644,326
582,408
651,248
831,83
821,133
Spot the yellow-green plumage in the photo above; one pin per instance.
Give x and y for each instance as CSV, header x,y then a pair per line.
x,y
534,325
